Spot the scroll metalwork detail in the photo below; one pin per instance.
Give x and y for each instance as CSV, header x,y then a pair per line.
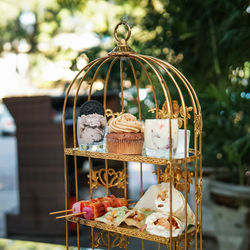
x,y
114,178
178,112
198,194
197,124
178,177
116,240
110,113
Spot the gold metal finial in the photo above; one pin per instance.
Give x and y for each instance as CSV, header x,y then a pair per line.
x,y
122,41
122,48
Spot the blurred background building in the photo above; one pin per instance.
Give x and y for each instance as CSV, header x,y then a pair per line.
x,y
44,44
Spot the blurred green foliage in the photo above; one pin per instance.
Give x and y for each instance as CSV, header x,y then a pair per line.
x,y
208,40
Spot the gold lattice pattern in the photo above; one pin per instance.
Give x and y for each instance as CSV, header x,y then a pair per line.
x,y
102,176
197,124
198,193
108,240
178,112
178,177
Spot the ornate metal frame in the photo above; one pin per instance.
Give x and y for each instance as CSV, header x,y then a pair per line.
x,y
176,170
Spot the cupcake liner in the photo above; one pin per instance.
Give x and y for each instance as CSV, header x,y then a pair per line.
x,y
124,146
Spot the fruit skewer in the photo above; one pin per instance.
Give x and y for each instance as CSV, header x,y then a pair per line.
x,y
93,208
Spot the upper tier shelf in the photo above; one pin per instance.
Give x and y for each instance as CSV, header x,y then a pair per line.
x,y
133,158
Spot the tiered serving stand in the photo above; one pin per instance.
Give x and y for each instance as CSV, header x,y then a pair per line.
x,y
162,79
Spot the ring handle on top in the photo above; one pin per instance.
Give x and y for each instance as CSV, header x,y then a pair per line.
x,y
115,32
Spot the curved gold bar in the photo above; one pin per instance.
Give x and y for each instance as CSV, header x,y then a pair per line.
x,y
137,88
151,83
95,75
106,83
121,83
161,81
184,80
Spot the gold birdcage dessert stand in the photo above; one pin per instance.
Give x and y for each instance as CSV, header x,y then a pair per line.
x,y
180,172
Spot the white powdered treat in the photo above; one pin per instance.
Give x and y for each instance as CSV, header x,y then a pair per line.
x,y
159,224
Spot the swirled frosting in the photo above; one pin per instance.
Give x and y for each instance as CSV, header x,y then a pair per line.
x,y
125,123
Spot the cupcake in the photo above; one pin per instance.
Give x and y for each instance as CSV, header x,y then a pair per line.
x,y
125,135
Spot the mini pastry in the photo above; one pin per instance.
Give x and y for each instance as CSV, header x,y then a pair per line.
x,y
114,216
125,135
138,217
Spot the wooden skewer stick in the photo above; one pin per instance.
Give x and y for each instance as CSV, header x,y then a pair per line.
x,y
62,211
132,203
70,215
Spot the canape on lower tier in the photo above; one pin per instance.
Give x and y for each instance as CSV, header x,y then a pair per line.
x,y
95,208
114,216
138,217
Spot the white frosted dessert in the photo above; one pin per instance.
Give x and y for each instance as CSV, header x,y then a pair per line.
x,y
159,224
157,198
157,137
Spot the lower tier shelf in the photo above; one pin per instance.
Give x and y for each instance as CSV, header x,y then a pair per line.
x,y
130,231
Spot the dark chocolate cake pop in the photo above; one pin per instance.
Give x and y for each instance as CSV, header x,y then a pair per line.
x,y
91,107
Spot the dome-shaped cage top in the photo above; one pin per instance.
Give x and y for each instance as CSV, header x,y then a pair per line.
x,y
123,68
